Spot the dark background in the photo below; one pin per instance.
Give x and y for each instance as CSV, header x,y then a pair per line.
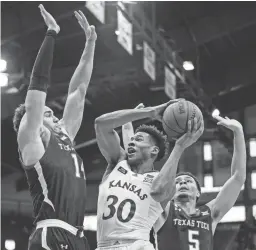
x,y
218,37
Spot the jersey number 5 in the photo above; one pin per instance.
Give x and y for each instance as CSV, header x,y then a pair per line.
x,y
80,169
119,210
193,242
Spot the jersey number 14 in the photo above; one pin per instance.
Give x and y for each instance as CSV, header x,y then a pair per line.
x,y
79,169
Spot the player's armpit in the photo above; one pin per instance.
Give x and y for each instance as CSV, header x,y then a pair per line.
x,y
226,198
109,143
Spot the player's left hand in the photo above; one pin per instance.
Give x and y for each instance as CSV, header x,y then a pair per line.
x,y
89,30
231,124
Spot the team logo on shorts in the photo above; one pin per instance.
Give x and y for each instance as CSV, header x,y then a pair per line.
x,y
64,246
149,178
122,170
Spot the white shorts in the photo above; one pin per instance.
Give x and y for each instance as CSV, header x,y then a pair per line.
x,y
137,245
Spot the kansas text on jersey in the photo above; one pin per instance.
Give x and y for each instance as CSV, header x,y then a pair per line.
x,y
125,208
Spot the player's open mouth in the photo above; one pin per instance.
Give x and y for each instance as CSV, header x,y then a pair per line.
x,y
131,150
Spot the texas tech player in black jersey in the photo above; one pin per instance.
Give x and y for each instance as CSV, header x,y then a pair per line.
x,y
54,171
188,227
183,232
57,185
57,182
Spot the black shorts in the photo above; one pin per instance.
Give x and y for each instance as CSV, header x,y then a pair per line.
x,y
53,238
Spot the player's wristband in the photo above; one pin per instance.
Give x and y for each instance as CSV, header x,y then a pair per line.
x,y
51,33
40,77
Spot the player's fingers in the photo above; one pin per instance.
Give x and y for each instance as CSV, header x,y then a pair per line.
x,y
78,17
201,129
84,19
43,10
219,118
221,123
41,7
227,118
173,101
195,127
141,105
189,126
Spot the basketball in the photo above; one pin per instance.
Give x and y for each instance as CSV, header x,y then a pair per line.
x,y
176,117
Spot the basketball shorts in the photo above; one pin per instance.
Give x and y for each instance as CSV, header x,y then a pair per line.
x,y
56,238
137,245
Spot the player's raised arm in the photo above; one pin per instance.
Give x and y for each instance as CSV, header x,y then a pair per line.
x,y
163,186
227,197
128,131
107,138
29,127
73,111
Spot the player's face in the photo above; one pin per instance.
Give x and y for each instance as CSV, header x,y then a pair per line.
x,y
49,119
185,188
139,148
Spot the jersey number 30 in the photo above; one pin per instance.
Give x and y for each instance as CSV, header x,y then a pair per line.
x,y
192,241
119,209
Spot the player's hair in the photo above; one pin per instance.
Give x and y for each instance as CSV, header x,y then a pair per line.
x,y
18,114
195,179
159,138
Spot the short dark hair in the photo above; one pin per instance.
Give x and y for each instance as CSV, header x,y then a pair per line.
x,y
159,138
18,114
191,175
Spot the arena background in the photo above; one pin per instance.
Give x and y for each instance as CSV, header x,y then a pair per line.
x,y
139,57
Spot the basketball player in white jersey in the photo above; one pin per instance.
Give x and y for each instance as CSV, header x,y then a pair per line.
x,y
126,210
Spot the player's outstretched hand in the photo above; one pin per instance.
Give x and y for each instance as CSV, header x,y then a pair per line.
x,y
49,20
231,124
158,111
192,135
89,30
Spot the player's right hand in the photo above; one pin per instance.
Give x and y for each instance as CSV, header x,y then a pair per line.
x,y
158,111
89,30
49,20
192,135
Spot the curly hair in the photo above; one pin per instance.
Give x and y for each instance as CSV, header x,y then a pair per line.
x,y
159,138
18,114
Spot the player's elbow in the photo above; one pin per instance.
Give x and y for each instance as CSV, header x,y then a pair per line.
x,y
240,178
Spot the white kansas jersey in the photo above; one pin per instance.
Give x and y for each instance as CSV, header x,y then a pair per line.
x,y
125,208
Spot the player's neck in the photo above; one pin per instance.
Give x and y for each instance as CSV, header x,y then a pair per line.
x,y
188,206
143,167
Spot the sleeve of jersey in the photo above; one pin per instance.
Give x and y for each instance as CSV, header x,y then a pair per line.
x,y
40,77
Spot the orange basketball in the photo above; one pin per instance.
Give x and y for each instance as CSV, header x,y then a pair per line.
x,y
177,115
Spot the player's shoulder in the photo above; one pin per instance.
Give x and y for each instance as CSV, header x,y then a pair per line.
x,y
116,168
204,210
